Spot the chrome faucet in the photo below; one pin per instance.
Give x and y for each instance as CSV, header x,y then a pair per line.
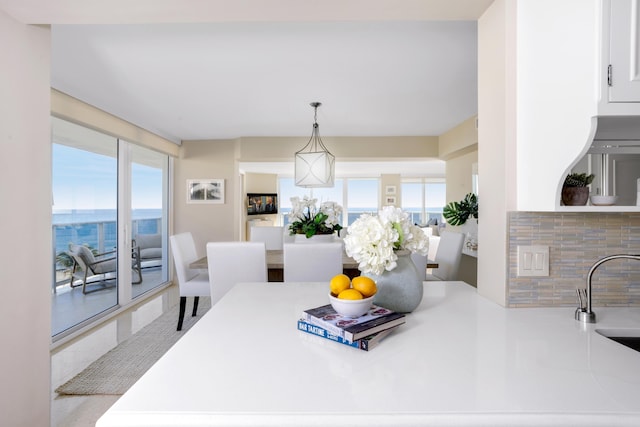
x,y
583,312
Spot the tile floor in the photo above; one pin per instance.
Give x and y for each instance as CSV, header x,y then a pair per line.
x,y
72,358
69,306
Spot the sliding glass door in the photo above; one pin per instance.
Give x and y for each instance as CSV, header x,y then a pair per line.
x,y
149,189
85,189
101,183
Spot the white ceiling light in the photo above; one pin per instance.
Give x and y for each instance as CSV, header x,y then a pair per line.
x,y
315,166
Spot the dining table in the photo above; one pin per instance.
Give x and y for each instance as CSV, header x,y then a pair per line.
x,y
275,265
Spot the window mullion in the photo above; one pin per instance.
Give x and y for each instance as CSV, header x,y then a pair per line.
x,y
124,221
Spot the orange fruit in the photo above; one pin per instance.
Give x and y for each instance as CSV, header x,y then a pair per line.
x,y
339,283
365,285
350,294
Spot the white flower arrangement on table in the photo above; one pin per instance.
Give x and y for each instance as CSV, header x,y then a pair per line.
x,y
372,241
306,219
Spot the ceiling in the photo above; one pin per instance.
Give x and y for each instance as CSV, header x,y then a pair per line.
x,y
192,70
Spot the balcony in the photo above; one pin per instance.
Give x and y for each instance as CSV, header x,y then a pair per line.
x,y
70,307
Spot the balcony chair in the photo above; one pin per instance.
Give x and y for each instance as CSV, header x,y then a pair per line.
x,y
150,246
86,265
233,262
312,262
271,236
191,283
447,257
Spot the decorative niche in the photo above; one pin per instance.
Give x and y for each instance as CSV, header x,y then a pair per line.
x,y
614,158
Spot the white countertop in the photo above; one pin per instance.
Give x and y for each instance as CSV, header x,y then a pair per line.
x,y
459,360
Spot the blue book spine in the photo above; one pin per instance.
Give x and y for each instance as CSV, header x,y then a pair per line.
x,y
312,329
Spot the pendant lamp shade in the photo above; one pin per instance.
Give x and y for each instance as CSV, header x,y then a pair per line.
x,y
314,165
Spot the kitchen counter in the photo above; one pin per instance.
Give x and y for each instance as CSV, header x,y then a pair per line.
x,y
459,360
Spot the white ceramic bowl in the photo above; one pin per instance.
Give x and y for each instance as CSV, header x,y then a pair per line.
x,y
604,200
351,307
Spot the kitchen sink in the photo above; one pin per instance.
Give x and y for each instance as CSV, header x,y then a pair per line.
x,y
627,337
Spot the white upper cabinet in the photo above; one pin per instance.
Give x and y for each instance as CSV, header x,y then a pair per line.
x,y
620,65
555,94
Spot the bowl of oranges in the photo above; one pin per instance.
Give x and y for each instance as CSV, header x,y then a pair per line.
x,y
351,297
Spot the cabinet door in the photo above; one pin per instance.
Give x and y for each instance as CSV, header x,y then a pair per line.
x,y
624,51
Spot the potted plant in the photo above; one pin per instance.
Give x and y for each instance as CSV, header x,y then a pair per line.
x,y
574,190
307,220
457,213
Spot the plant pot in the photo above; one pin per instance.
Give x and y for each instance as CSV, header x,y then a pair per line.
x,y
400,289
316,238
575,196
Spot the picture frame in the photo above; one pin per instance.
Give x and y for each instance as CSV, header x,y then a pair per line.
x,y
205,191
390,200
390,189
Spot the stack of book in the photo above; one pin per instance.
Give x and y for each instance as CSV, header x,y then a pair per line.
x,y
364,332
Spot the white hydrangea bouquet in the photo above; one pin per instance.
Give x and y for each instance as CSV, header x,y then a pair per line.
x,y
305,218
372,241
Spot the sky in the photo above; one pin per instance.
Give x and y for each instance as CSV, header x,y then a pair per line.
x,y
86,180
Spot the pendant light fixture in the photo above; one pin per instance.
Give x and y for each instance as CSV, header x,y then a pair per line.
x,y
315,166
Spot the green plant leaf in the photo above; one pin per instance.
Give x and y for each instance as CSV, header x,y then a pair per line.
x,y
457,213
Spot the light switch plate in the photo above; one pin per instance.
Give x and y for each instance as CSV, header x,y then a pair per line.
x,y
533,261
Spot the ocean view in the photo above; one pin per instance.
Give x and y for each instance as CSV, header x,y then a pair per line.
x,y
99,215
97,227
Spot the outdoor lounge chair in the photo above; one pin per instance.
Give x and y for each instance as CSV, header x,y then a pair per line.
x,y
86,265
150,246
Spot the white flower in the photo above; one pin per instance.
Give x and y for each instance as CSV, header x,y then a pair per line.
x,y
304,214
371,240
333,211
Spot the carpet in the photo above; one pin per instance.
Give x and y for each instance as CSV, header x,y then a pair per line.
x,y
117,370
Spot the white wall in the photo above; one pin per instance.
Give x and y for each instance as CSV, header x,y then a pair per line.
x,y
25,228
208,222
496,144
459,176
459,147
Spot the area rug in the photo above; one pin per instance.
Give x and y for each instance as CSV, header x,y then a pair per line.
x,y
121,367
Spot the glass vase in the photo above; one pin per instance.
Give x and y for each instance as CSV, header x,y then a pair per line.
x,y
400,289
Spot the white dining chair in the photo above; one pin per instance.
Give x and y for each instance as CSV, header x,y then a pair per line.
x,y
271,236
434,242
312,262
447,257
287,237
422,261
234,262
191,283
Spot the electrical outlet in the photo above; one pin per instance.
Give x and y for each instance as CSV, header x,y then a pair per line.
x,y
533,261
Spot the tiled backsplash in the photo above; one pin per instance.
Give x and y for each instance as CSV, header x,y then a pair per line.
x,y
576,241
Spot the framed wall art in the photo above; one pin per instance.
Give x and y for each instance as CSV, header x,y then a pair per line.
x,y
390,189
390,200
205,191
